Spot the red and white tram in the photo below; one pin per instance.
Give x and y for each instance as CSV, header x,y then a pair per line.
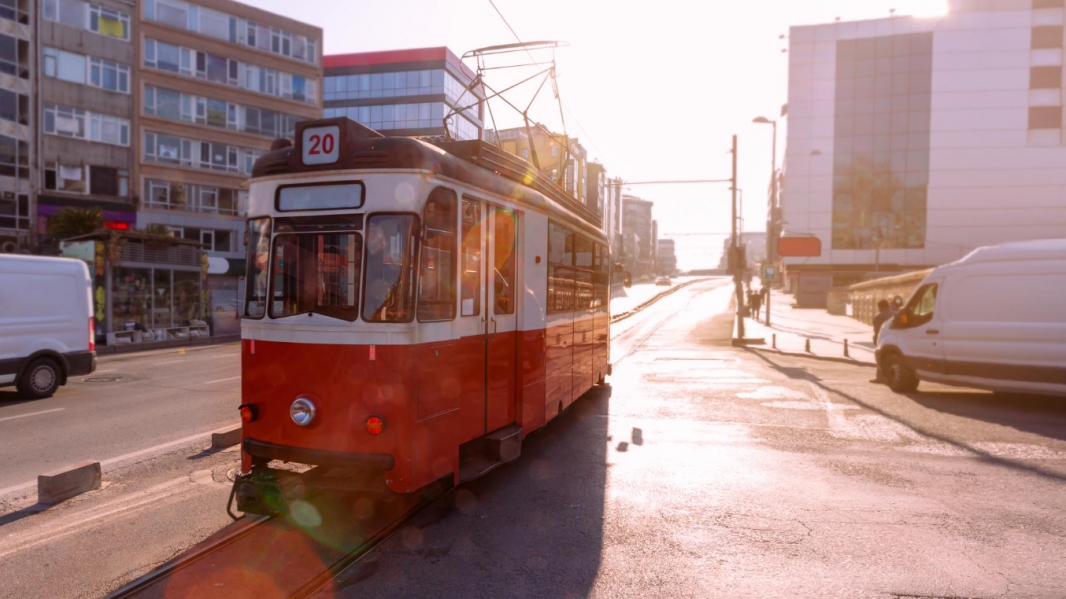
x,y
413,310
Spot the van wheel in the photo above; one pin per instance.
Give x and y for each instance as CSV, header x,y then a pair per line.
x,y
40,379
900,376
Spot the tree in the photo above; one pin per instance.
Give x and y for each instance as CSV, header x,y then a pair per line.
x,y
72,222
156,230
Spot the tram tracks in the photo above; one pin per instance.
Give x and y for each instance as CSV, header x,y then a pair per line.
x,y
289,556
292,555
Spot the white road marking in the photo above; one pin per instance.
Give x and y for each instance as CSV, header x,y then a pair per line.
x,y
232,378
33,414
191,360
163,446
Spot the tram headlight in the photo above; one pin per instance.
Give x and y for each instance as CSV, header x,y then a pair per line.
x,y
302,411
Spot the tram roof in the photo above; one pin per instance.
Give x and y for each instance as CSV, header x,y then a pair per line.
x,y
473,162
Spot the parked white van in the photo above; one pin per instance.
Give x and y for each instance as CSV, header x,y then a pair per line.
x,y
46,323
995,319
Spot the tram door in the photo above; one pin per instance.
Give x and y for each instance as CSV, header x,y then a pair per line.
x,y
501,355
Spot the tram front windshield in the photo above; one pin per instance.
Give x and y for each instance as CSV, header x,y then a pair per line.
x,y
317,273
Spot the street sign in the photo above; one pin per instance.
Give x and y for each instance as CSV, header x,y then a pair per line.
x,y
769,272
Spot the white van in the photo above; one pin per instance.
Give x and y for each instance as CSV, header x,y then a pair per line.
x,y
46,323
994,320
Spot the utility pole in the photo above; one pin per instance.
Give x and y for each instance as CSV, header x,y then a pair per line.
x,y
773,242
737,268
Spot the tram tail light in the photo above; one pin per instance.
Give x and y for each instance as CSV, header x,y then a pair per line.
x,y
248,412
375,425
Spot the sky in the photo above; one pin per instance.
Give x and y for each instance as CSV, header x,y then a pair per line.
x,y
653,90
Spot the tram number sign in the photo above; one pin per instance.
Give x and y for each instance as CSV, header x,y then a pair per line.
x,y
321,145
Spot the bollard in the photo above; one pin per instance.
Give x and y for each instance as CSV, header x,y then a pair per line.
x,y
846,355
774,340
807,346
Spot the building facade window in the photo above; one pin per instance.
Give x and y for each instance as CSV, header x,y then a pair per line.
x,y
13,10
109,75
90,17
14,107
15,213
85,70
172,149
165,195
402,83
90,126
79,178
423,115
1045,117
14,54
219,25
881,142
14,157
175,105
228,71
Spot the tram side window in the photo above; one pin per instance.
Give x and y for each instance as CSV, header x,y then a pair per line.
x,y
317,273
503,262
388,290
560,275
583,290
258,266
471,273
436,295
583,246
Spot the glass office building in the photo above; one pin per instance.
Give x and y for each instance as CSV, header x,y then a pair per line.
x,y
404,92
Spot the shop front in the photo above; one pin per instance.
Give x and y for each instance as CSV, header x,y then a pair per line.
x,y
224,294
145,288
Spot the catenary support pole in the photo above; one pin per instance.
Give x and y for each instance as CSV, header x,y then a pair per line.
x,y
737,268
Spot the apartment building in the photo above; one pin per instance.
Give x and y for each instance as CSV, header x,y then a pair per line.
x,y
638,247
216,83
84,156
17,173
551,156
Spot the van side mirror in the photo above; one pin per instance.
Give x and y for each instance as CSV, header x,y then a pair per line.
x,y
902,319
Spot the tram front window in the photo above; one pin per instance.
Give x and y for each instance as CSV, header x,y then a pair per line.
x,y
317,273
388,292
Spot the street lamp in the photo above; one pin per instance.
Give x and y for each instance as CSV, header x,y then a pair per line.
x,y
771,253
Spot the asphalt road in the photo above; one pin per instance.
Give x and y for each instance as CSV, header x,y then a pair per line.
x,y
132,403
700,470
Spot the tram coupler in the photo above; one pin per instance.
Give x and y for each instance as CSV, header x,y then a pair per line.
x,y
267,491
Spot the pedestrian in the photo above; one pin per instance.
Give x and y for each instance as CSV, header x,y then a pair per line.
x,y
897,304
884,315
751,303
755,301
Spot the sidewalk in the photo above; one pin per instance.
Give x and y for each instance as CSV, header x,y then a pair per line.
x,y
826,332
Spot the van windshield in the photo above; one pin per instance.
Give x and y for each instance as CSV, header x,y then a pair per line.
x,y
316,273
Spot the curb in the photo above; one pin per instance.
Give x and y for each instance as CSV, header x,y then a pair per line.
x,y
17,493
106,350
791,354
655,298
60,485
226,438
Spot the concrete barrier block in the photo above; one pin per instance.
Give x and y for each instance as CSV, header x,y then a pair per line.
x,y
226,439
60,485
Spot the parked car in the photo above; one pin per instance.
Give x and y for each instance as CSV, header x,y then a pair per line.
x,y
663,281
46,323
993,320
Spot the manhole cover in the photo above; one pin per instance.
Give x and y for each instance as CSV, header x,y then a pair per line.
x,y
103,379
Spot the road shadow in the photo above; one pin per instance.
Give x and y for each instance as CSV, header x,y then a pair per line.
x,y
803,374
25,512
1041,415
532,528
10,397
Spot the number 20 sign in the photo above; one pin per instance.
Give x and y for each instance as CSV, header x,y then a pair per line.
x,y
321,145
